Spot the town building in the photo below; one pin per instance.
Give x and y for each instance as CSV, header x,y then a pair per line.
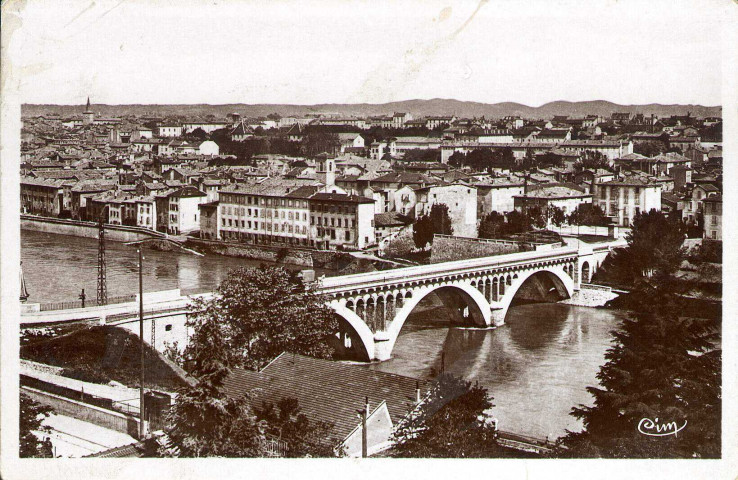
x,y
40,196
625,197
169,130
498,194
461,201
713,217
565,196
177,210
333,392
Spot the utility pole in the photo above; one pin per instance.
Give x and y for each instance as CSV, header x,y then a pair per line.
x,y
102,284
364,436
142,417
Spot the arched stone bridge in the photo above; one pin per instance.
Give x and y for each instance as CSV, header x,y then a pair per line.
x,y
376,305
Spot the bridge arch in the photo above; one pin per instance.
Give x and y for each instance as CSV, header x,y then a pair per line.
x,y
473,297
360,328
562,282
586,274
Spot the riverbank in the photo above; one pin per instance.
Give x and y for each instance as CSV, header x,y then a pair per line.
x,y
327,259
79,228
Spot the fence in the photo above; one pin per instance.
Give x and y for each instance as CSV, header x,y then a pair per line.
x,y
147,313
273,447
88,303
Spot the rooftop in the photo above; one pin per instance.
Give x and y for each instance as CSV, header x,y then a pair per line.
x,y
326,390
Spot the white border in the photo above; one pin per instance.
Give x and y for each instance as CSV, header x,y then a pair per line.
x,y
11,467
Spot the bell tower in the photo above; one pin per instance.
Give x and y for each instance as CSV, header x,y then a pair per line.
x,y
326,171
88,117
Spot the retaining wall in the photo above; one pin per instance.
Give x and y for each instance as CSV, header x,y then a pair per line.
x,y
274,253
78,228
447,248
86,412
591,296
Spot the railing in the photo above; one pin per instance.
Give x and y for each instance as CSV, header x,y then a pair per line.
x,y
422,272
524,442
592,286
125,406
44,307
273,447
147,312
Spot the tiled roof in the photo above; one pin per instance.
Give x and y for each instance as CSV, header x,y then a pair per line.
x,y
390,219
341,197
556,191
631,180
326,390
404,177
718,198
41,182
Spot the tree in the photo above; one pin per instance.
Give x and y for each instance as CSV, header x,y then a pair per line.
x,y
594,160
457,160
437,221
429,155
257,314
320,142
588,214
452,422
662,367
517,222
492,225
650,148
655,241
555,215
206,422
32,416
401,245
300,436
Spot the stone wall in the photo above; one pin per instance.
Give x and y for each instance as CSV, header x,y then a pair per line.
x,y
84,411
272,253
447,248
76,228
591,296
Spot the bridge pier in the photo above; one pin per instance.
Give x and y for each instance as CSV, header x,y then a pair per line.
x,y
498,316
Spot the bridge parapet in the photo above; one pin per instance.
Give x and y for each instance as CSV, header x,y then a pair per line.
x,y
422,273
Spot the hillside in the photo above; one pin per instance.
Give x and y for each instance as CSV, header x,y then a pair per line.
x,y
418,108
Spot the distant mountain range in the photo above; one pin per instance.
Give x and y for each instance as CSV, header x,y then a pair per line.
x,y
417,108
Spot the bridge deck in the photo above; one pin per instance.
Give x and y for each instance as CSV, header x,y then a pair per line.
x,y
407,274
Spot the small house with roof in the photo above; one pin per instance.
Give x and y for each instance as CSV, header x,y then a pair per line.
x,y
333,392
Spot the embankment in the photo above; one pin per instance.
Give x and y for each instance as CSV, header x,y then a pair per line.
x,y
78,228
326,259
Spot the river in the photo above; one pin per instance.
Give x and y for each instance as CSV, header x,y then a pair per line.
x,y
57,268
537,366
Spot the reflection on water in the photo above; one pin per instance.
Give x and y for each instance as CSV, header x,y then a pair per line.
x,y
58,267
537,366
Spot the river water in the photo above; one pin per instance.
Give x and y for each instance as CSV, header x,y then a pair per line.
x,y
57,267
537,366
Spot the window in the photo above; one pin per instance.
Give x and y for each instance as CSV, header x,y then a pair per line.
x,y
714,235
348,235
168,328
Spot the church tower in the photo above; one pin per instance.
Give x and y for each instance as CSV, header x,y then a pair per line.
x,y
326,171
88,117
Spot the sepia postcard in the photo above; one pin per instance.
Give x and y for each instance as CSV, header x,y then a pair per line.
x,y
349,238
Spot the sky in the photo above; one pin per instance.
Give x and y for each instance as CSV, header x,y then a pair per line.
x,y
216,52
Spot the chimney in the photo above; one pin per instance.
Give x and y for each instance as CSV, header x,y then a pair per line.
x,y
417,392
